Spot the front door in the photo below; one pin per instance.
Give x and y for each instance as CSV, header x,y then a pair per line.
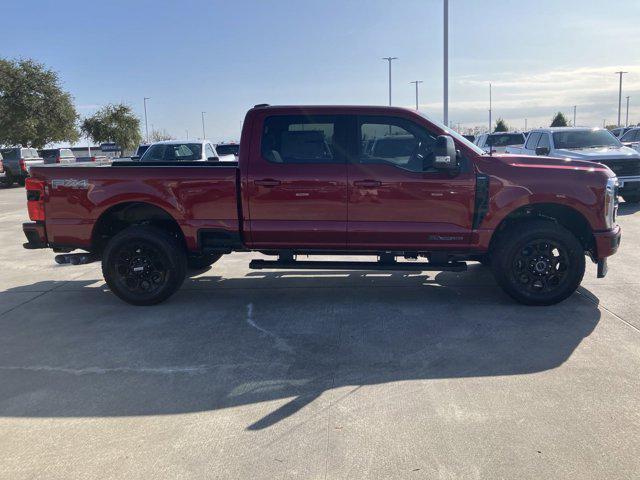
x,y
297,183
397,200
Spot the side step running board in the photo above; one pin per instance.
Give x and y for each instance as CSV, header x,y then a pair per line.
x,y
319,265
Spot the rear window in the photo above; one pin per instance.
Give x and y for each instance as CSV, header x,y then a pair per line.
x,y
65,152
49,153
300,139
227,149
10,153
173,152
506,139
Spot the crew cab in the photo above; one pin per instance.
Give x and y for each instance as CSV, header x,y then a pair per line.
x,y
593,145
184,151
338,181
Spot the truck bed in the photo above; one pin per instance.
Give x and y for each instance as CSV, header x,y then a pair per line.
x,y
201,197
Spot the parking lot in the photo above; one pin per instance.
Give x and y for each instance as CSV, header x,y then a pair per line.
x,y
260,374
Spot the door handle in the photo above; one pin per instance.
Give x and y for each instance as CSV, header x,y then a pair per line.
x,y
367,183
267,182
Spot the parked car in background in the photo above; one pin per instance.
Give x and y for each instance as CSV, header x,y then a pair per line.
x,y
18,162
230,148
183,151
631,138
3,175
620,131
304,186
591,144
497,142
63,156
140,151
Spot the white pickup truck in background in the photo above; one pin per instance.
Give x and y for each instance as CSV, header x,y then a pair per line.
x,y
499,141
591,144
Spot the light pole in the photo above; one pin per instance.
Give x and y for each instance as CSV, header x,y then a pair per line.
x,y
620,95
490,108
417,82
204,135
146,126
525,124
187,130
445,86
389,59
574,115
626,123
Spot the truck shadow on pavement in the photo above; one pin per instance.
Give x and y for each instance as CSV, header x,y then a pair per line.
x,y
78,351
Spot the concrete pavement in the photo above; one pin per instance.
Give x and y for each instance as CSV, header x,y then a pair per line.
x,y
247,374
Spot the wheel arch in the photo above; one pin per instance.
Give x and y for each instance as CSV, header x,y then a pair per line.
x,y
125,214
569,217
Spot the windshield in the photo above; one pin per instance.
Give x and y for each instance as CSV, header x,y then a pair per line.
x,y
574,139
455,135
162,152
227,149
505,139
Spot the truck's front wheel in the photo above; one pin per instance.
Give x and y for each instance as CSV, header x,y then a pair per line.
x,y
144,265
538,263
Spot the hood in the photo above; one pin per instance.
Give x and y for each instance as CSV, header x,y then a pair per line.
x,y
533,161
597,154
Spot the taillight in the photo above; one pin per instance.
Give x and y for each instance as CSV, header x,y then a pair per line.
x,y
35,199
22,165
92,159
57,159
1,166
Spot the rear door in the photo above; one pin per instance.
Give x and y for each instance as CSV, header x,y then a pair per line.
x,y
397,200
296,182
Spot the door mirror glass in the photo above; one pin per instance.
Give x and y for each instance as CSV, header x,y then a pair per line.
x,y
445,155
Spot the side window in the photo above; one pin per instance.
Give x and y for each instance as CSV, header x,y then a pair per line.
x,y
544,141
396,141
303,139
532,140
155,153
208,151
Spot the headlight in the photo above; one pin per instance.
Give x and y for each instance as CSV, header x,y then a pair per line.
x,y
611,202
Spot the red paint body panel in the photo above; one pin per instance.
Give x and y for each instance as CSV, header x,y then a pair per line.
x,y
325,206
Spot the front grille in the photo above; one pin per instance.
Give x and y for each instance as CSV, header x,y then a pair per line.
x,y
623,167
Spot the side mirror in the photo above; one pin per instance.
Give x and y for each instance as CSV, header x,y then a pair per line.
x,y
213,159
542,151
444,151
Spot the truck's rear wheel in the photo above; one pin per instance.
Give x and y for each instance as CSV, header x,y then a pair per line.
x,y
538,263
197,262
144,265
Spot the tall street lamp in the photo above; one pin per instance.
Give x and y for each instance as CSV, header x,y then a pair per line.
x,y
446,63
627,121
146,126
620,95
417,82
389,59
204,135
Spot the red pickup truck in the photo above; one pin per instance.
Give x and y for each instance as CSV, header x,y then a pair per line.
x,y
334,180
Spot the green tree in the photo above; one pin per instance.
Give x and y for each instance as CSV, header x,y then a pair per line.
x,y
160,135
559,120
501,126
34,109
114,123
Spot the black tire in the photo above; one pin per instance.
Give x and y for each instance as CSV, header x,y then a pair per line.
x,y
631,197
538,262
144,265
198,262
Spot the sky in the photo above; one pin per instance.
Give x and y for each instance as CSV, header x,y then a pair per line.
x,y
223,57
